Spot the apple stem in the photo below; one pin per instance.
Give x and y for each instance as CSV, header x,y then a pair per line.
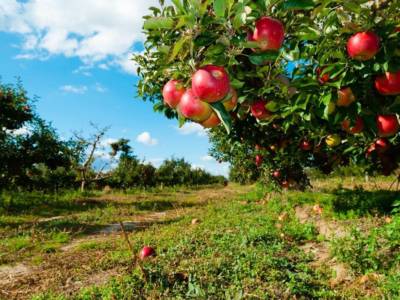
x,y
135,260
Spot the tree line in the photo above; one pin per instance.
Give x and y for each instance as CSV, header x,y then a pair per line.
x,y
34,157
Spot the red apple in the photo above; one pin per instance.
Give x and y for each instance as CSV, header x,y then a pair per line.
x,y
146,252
388,84
388,125
269,33
345,97
211,83
173,92
363,45
370,150
322,79
259,160
230,104
259,111
193,108
285,184
305,145
357,128
277,174
382,145
212,121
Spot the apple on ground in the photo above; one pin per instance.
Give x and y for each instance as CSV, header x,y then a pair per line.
x,y
211,83
345,97
306,145
388,84
333,140
193,108
259,111
363,45
146,252
212,121
173,92
230,104
358,126
388,125
269,33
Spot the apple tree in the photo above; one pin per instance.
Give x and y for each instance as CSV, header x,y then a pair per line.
x,y
288,84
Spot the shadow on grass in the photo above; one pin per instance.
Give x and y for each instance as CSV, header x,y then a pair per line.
x,y
364,202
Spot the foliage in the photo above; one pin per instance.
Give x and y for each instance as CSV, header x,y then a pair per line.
x,y
184,36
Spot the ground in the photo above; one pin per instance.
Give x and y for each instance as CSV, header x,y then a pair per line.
x,y
339,240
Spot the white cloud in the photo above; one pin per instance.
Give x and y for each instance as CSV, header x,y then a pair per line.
x,y
74,89
146,139
99,88
99,32
207,158
192,128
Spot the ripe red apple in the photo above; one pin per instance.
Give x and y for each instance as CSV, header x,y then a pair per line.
x,y
146,252
212,121
388,125
173,92
322,79
269,33
388,84
363,45
305,145
230,104
382,145
345,97
193,108
285,184
259,160
357,128
211,83
259,111
370,150
277,174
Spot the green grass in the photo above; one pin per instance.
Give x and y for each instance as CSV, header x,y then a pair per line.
x,y
239,250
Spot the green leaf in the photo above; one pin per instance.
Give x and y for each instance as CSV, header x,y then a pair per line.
x,y
159,23
272,106
237,84
298,4
178,47
182,121
220,8
261,58
179,5
223,115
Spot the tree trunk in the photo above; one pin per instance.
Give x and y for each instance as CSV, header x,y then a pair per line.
x,y
83,184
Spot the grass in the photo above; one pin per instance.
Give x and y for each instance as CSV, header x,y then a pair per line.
x,y
249,244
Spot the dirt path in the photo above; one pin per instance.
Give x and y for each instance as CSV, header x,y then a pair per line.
x,y
72,268
329,229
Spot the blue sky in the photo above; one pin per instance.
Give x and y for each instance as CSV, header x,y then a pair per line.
x,y
74,55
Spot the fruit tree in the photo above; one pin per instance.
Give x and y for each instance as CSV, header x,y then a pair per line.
x,y
287,83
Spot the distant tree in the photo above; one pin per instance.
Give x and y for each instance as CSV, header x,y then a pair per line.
x,y
85,150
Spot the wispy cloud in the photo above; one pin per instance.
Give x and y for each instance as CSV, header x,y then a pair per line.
x,y
82,89
192,128
207,158
103,32
145,138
